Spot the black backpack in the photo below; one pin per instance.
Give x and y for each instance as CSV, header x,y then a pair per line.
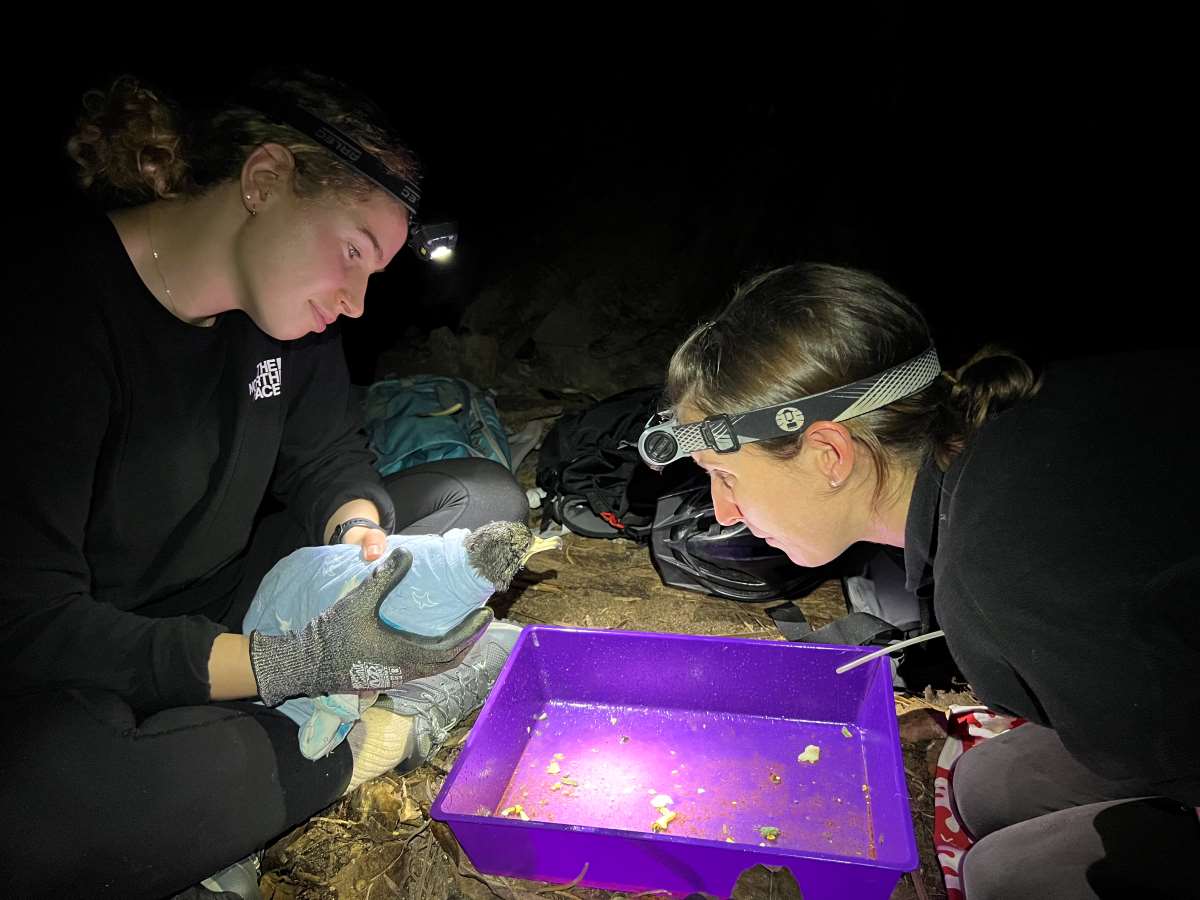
x,y
589,467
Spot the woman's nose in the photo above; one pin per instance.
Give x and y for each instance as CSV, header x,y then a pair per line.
x,y
724,508
351,303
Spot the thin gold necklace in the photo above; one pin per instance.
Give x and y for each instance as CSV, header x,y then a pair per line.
x,y
157,268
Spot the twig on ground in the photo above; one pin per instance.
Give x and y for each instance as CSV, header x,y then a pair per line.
x,y
403,849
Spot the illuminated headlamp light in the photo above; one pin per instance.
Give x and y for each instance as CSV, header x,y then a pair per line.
x,y
435,241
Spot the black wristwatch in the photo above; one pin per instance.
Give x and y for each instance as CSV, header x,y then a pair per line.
x,y
340,531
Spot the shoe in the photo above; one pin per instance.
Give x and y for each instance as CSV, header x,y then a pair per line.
x,y
439,702
240,879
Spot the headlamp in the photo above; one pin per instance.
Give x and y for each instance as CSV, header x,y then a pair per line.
x,y
665,440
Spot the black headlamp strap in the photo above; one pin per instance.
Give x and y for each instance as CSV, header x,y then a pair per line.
x,y
792,417
339,144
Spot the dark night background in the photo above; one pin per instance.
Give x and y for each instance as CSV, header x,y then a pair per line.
x,y
1022,189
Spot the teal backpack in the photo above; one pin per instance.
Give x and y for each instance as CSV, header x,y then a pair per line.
x,y
424,418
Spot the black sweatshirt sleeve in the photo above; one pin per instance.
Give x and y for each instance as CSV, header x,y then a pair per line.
x,y
324,460
60,388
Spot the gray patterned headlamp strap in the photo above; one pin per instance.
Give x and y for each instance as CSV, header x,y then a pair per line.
x,y
664,442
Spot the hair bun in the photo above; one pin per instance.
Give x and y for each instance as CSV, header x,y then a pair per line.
x,y
128,143
991,381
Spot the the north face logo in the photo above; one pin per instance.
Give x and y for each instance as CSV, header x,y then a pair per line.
x,y
269,379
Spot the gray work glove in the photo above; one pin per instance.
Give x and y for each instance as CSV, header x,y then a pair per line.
x,y
347,649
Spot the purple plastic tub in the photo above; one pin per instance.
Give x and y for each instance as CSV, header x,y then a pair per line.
x,y
584,729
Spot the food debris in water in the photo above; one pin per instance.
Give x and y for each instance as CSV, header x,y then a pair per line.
x,y
612,720
810,755
623,739
661,823
661,800
775,779
770,832
846,732
556,786
729,840
559,756
515,811
553,768
569,781
865,788
674,771
542,717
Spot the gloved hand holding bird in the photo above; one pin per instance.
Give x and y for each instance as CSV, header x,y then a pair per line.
x,y
333,631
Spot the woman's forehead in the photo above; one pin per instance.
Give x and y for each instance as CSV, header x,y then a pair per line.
x,y
739,459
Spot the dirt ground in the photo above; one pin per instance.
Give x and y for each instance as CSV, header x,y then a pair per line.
x,y
379,843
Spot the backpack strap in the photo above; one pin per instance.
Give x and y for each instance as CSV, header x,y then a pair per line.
x,y
857,629
854,629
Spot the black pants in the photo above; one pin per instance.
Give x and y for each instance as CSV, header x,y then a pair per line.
x,y
1049,828
98,804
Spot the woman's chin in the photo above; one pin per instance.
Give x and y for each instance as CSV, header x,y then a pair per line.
x,y
793,554
804,558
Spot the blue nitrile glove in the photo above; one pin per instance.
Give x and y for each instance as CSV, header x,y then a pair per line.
x,y
327,720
